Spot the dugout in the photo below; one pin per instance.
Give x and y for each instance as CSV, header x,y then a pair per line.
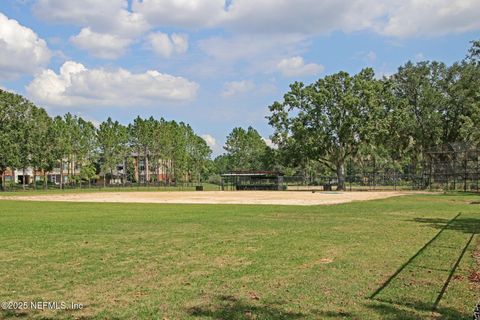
x,y
253,180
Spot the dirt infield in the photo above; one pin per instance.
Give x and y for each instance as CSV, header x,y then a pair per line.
x,y
215,197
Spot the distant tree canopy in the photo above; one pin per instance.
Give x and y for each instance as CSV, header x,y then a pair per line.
x,y
29,138
323,127
342,117
246,150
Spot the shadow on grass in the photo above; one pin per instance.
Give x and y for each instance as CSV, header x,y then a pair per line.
x,y
20,314
229,307
14,314
389,311
232,308
452,242
443,226
466,225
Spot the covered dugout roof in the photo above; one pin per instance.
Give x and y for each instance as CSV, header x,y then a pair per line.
x,y
253,180
252,174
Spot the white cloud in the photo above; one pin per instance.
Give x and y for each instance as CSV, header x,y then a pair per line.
x,y
165,45
234,88
296,67
266,16
101,45
302,16
250,46
269,143
101,16
210,140
180,42
426,18
75,85
213,143
399,18
108,28
181,13
21,50
256,52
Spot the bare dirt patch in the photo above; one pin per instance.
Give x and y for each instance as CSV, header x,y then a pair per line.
x,y
215,197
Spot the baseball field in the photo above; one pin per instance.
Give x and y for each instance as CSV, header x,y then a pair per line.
x,y
116,256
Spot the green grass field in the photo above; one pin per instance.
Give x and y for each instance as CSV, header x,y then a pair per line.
x,y
384,259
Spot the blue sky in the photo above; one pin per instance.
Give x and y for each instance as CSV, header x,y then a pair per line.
x,y
214,64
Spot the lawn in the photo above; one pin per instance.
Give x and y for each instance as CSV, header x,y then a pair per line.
x,y
398,258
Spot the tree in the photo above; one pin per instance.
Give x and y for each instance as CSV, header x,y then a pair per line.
x,y
474,52
328,120
113,142
199,154
25,135
85,145
418,88
245,149
61,148
9,124
88,173
141,134
42,152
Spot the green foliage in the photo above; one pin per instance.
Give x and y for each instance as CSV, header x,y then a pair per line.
x,y
113,144
328,120
395,120
169,147
318,128
88,173
245,150
30,138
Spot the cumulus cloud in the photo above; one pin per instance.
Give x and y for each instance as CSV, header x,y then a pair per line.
x,y
181,13
255,49
213,143
101,16
265,16
425,18
21,50
234,88
165,45
210,140
399,18
101,45
296,67
75,85
303,16
108,26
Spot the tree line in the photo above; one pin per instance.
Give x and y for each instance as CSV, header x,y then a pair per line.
x,y
322,128
344,119
30,138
